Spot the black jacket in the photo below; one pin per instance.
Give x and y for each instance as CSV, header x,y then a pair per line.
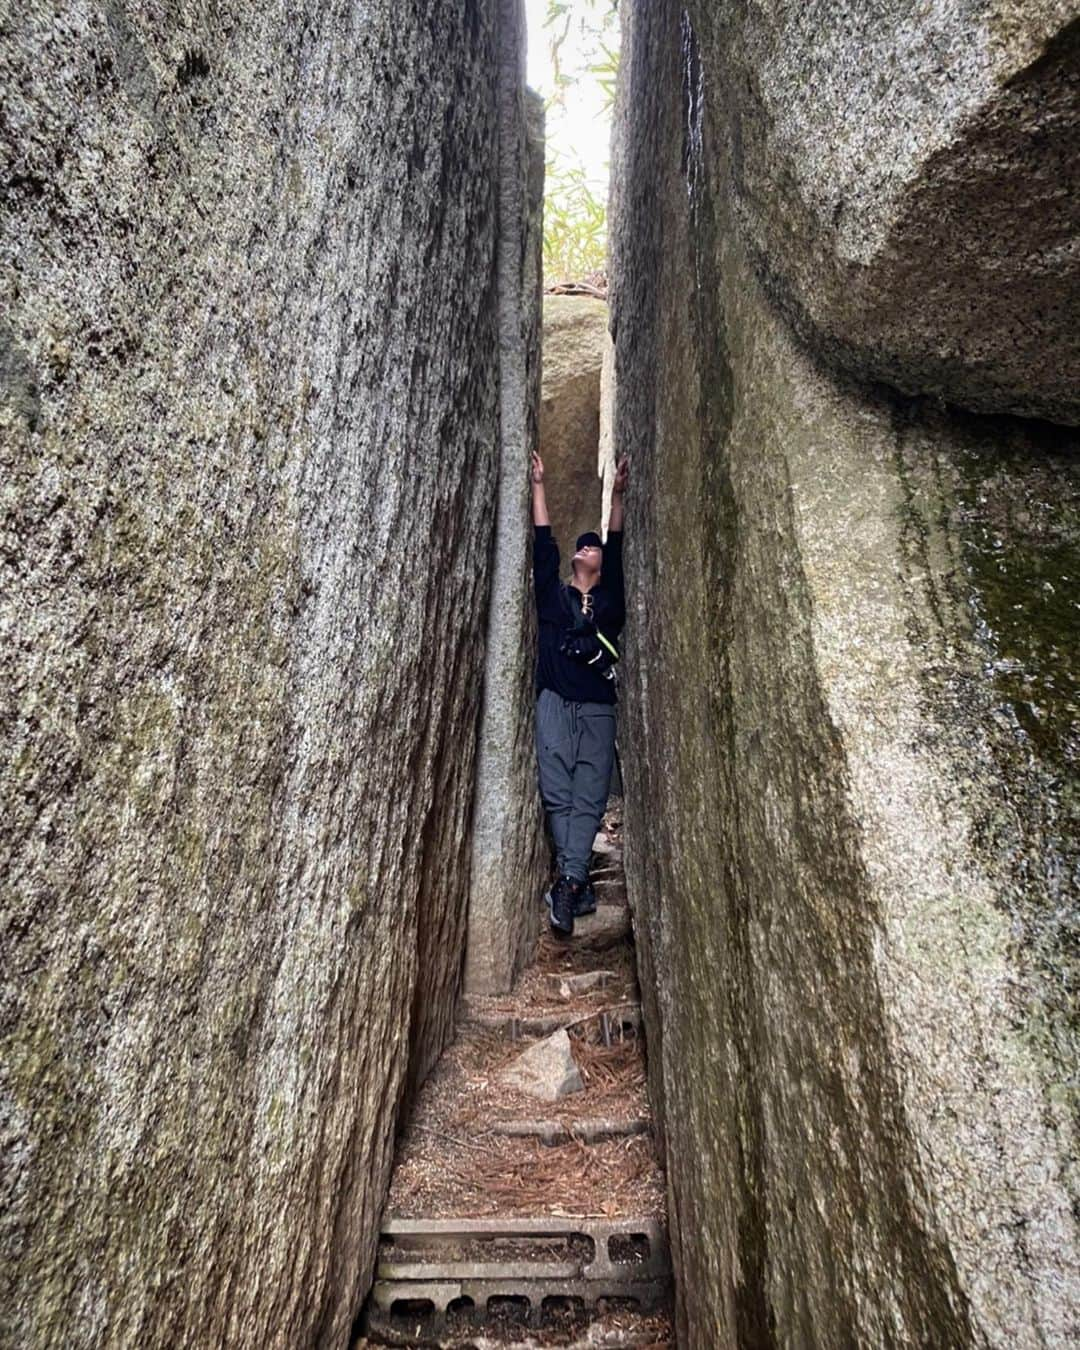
x,y
558,608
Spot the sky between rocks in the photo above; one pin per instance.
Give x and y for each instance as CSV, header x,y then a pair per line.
x,y
581,131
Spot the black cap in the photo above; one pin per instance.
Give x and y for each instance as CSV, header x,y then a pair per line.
x,y
589,537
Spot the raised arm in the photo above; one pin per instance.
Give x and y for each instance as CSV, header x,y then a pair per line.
x,y
613,569
539,501
545,549
615,515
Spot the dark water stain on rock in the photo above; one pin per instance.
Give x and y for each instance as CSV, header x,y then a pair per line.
x,y
1019,521
992,532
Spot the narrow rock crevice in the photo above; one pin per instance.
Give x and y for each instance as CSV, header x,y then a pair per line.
x,y
528,1197
282,1028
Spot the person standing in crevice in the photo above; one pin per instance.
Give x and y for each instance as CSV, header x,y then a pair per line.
x,y
579,625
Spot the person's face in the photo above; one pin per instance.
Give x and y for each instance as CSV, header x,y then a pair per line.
x,y
589,554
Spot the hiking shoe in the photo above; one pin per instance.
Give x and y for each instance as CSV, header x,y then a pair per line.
x,y
561,899
586,901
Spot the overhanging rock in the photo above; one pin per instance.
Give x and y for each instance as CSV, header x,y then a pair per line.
x,y
907,180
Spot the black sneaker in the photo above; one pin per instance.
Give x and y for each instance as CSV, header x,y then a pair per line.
x,y
586,901
561,899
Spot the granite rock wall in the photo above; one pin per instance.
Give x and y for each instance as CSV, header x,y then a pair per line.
x,y
248,455
510,855
849,729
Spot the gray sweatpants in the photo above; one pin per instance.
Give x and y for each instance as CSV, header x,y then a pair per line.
x,y
575,749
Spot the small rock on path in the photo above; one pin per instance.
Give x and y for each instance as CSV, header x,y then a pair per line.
x,y
546,1070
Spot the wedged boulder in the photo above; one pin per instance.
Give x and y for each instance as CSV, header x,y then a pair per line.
x,y
850,743
908,184
248,430
575,334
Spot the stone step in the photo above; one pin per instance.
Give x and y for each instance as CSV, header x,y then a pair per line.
x,y
570,986
605,847
607,926
421,1312
588,1130
437,1276
626,1018
633,1246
